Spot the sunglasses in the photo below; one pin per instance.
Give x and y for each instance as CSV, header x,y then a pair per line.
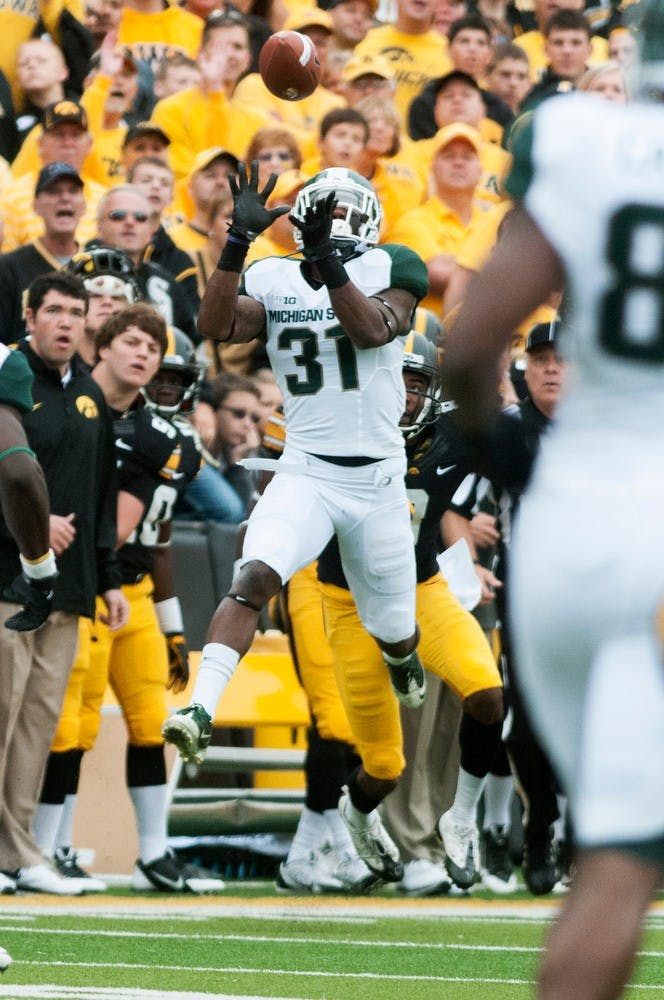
x,y
120,214
266,157
240,414
229,16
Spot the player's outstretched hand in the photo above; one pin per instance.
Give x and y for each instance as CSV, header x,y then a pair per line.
x,y
250,216
178,662
36,596
316,228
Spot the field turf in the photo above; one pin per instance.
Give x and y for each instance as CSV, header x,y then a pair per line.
x,y
250,943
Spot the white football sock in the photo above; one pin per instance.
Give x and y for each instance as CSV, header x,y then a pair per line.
x,y
217,666
311,831
65,837
150,806
468,791
339,834
498,800
45,825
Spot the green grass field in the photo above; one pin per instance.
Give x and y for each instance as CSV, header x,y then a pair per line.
x,y
251,943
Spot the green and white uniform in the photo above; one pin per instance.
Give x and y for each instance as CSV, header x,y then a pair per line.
x,y
588,556
342,470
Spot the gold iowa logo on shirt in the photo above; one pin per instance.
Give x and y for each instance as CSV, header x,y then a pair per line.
x,y
87,407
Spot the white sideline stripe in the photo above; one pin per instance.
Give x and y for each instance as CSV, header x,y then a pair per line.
x,y
270,939
52,992
246,970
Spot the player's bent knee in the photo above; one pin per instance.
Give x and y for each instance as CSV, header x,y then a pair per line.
x,y
256,582
485,706
383,764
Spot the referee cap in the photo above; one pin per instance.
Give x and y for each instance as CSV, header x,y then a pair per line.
x,y
543,333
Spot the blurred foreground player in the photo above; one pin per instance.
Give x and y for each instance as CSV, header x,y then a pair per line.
x,y
588,584
333,325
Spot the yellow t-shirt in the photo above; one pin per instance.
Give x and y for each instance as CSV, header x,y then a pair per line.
x,y
150,36
186,237
533,43
23,225
194,121
481,238
17,22
399,190
430,230
416,60
495,164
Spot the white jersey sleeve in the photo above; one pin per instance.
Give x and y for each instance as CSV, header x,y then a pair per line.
x,y
338,400
591,174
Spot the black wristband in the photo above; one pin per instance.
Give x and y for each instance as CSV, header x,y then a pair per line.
x,y
233,255
333,273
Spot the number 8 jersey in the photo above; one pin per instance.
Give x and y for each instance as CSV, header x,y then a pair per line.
x,y
338,400
600,203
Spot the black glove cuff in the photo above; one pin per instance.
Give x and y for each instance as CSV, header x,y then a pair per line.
x,y
332,272
233,255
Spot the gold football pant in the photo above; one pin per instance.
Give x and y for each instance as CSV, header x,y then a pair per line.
x,y
452,646
134,660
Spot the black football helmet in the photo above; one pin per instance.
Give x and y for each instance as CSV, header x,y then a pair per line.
x,y
421,356
176,386
106,271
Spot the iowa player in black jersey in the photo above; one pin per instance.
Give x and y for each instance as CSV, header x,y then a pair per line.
x,y
452,645
148,375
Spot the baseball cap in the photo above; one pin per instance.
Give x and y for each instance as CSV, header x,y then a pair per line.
x,y
145,128
287,183
208,156
64,111
458,130
456,76
369,65
308,17
543,333
53,172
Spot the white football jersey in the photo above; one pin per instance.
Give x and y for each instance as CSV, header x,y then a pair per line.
x,y
338,400
600,203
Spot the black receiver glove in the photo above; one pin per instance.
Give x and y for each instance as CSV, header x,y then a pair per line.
x,y
316,229
317,244
36,596
250,216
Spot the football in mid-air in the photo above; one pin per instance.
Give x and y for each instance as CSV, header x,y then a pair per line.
x,y
289,65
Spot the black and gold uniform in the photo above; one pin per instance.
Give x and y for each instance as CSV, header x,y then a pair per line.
x,y
452,644
157,459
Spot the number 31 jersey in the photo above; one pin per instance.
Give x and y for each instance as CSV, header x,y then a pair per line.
x,y
337,400
591,174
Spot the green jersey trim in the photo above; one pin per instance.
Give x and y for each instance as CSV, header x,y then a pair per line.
x,y
16,382
408,270
521,172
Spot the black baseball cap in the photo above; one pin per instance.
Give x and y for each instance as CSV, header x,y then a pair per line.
x,y
145,128
65,111
53,172
456,76
543,333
